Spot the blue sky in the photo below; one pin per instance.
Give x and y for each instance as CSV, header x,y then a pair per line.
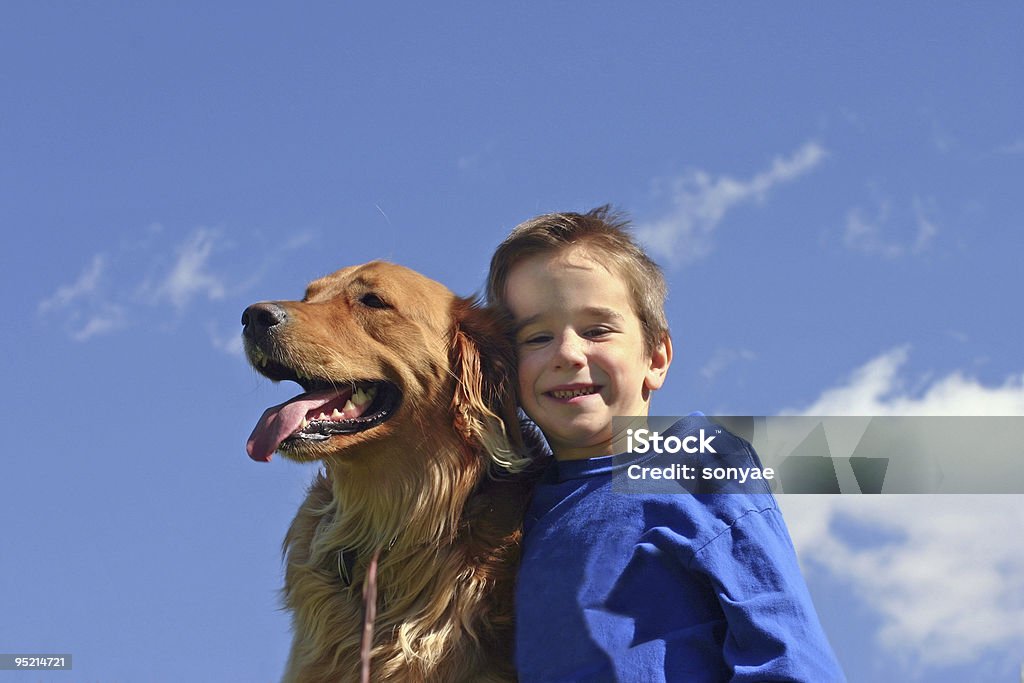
x,y
834,194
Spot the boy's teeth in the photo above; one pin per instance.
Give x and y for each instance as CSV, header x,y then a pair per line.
x,y
574,393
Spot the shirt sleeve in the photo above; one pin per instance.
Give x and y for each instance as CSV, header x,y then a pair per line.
x,y
773,632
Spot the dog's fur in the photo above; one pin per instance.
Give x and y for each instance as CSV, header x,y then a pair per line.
x,y
432,487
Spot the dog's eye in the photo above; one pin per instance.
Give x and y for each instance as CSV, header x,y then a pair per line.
x,y
371,300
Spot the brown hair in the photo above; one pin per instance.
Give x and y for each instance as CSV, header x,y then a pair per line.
x,y
605,233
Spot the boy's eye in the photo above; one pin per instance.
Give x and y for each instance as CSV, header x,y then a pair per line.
x,y
536,339
597,332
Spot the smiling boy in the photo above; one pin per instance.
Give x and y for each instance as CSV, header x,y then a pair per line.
x,y
632,587
582,355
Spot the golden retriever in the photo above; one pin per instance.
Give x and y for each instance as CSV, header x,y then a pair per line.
x,y
408,401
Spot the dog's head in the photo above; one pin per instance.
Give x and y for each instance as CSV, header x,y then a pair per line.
x,y
381,352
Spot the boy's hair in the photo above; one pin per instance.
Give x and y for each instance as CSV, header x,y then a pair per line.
x,y
605,234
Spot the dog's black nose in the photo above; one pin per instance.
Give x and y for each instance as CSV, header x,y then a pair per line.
x,y
259,318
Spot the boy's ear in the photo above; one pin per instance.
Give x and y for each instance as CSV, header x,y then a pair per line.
x,y
660,359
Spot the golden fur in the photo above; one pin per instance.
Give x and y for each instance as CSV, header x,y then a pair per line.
x,y
430,488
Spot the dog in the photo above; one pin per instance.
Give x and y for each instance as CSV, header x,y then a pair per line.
x,y
409,404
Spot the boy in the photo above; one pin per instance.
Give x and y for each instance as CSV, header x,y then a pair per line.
x,y
632,587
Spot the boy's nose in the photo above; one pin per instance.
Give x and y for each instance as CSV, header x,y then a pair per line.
x,y
569,352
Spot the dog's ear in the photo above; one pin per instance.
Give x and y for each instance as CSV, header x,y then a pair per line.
x,y
484,403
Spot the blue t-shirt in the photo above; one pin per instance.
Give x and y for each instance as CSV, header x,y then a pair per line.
x,y
662,587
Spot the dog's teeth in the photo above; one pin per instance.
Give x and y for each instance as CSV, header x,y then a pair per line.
x,y
322,416
349,406
360,397
371,392
336,414
305,423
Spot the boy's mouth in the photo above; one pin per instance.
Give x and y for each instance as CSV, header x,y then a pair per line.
x,y
575,391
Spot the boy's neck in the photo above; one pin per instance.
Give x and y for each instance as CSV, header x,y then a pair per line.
x,y
615,444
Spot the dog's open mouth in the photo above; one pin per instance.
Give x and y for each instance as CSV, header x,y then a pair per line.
x,y
326,409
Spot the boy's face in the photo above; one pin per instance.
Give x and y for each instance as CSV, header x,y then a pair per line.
x,y
581,351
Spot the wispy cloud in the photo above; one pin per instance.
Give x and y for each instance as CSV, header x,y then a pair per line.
x,y
700,202
1015,147
865,234
229,343
190,275
946,582
722,359
869,234
82,306
942,139
107,318
300,240
117,287
926,228
472,161
85,286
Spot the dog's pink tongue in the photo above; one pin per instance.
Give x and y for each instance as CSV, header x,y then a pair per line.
x,y
281,421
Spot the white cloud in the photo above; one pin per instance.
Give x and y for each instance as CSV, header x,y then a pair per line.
x,y
926,229
230,344
299,240
701,201
946,577
948,585
1015,147
942,139
82,307
108,318
85,286
864,234
473,161
875,389
722,359
959,336
113,291
868,234
189,277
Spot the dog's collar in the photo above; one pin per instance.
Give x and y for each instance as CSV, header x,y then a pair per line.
x,y
347,558
346,564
